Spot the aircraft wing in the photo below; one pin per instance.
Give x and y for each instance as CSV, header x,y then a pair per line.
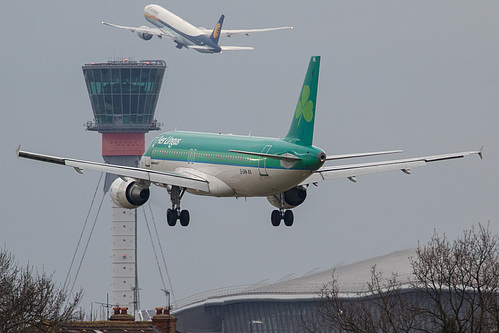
x,y
164,178
143,30
246,32
228,33
405,165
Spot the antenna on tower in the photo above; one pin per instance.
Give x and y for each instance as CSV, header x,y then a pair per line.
x,y
167,294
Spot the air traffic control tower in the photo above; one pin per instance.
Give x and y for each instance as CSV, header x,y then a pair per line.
x,y
124,95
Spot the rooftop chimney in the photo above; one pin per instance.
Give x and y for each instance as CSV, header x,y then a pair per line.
x,y
120,314
163,321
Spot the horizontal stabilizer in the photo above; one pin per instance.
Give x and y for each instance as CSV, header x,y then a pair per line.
x,y
353,170
236,48
344,156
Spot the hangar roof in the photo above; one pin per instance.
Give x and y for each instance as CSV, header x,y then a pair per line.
x,y
351,279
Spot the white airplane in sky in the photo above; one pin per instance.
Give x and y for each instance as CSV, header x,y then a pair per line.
x,y
185,34
225,165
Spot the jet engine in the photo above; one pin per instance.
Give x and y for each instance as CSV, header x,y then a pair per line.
x,y
144,35
292,198
128,194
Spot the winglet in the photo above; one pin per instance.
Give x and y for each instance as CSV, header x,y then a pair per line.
x,y
480,153
18,150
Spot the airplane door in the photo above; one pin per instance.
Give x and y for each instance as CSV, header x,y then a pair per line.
x,y
192,156
262,162
146,162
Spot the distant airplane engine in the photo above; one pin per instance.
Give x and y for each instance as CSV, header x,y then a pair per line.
x,y
144,35
292,198
128,194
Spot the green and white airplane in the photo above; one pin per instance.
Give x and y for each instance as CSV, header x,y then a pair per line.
x,y
224,165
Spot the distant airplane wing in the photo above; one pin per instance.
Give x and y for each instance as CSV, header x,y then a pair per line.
x,y
158,177
228,33
142,30
236,48
405,165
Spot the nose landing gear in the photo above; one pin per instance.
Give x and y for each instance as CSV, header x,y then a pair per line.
x,y
175,213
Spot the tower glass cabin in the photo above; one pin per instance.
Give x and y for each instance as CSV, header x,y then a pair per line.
x,y
124,94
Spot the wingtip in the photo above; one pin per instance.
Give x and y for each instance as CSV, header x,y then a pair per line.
x,y
18,150
480,153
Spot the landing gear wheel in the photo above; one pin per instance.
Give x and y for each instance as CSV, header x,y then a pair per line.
x,y
184,218
171,217
175,213
288,218
276,218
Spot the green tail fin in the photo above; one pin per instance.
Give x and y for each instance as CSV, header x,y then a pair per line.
x,y
302,126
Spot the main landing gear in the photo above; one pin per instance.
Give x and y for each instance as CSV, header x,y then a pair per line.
x,y
281,214
175,213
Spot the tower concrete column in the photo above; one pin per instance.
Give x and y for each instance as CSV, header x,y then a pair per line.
x,y
124,256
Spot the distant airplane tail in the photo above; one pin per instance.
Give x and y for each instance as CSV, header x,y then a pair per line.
x,y
215,35
302,126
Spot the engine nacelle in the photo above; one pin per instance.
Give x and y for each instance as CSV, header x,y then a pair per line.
x,y
144,35
128,194
292,198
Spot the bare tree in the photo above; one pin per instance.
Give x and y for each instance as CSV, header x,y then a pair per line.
x,y
460,280
31,299
385,306
454,288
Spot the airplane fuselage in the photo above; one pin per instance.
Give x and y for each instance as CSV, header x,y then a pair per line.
x,y
184,33
233,174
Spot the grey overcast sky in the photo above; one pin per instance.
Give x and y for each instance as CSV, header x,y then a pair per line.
x,y
422,76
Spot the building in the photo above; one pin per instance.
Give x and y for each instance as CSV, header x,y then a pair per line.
x,y
120,321
281,306
124,95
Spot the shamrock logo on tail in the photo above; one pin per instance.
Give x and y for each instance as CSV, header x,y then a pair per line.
x,y
305,107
